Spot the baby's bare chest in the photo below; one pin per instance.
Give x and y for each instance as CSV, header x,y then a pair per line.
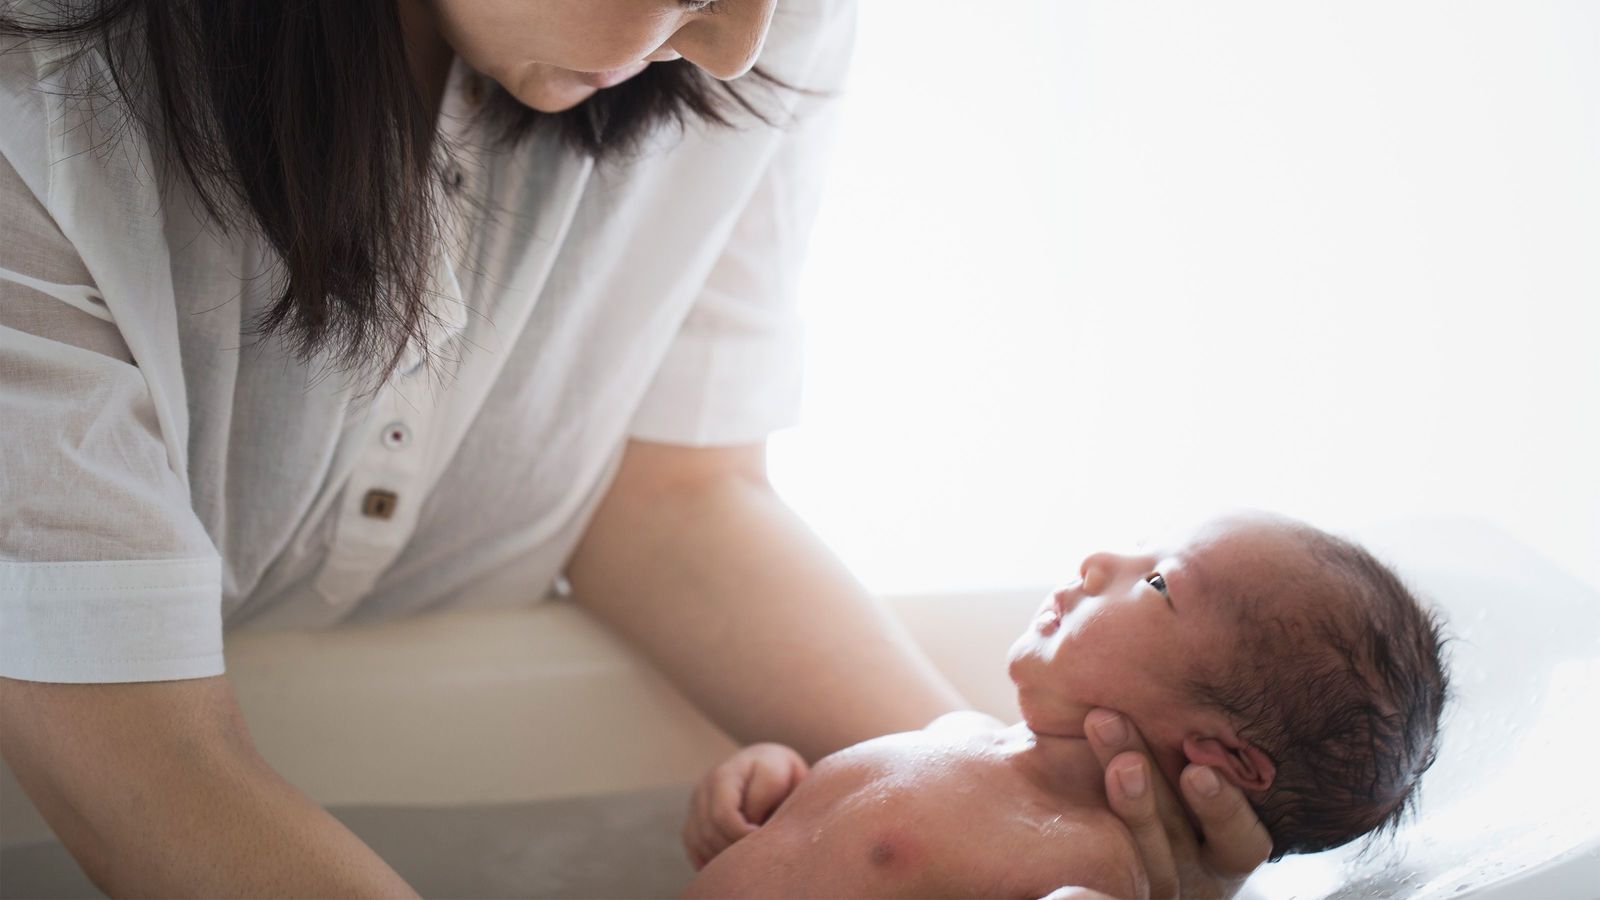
x,y
931,823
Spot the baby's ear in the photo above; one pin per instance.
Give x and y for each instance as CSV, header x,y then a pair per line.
x,y
1242,763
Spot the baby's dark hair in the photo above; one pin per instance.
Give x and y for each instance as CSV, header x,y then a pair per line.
x,y
1344,697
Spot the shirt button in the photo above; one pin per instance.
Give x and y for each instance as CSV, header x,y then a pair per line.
x,y
396,435
379,503
454,178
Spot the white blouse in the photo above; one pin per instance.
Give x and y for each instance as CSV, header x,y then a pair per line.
x,y
164,474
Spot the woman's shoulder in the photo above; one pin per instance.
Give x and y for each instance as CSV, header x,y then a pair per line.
x,y
68,127
82,154
23,105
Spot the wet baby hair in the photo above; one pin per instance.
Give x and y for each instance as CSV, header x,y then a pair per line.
x,y
1343,689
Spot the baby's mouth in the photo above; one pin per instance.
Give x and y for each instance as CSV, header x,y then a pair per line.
x,y
1049,619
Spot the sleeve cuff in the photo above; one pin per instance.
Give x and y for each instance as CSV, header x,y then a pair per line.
x,y
118,621
720,389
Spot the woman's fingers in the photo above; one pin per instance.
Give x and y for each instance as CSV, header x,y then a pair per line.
x,y
1130,791
1235,840
1175,858
1111,734
1140,796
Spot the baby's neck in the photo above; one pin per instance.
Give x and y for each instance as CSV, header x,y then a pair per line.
x,y
1064,767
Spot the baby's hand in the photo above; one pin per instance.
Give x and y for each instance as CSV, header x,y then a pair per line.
x,y
736,797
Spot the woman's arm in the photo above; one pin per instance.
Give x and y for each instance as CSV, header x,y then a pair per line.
x,y
694,558
157,791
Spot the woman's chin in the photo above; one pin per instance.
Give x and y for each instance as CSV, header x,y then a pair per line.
x,y
548,89
556,102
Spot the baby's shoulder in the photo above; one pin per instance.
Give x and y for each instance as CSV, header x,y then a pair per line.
x,y
964,722
952,733
900,754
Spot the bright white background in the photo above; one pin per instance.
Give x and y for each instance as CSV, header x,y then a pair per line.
x,y
1088,269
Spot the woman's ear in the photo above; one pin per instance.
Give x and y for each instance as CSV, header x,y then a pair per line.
x,y
1242,763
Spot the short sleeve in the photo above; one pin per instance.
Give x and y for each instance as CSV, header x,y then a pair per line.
x,y
734,371
106,573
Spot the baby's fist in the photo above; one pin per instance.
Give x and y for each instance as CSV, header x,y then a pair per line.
x,y
736,797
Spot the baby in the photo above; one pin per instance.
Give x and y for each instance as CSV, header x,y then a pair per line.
x,y
1288,661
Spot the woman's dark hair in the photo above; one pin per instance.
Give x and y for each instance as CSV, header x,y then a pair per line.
x,y
301,119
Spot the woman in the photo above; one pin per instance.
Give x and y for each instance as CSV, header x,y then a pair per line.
x,y
342,311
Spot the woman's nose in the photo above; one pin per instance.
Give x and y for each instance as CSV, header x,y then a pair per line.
x,y
726,41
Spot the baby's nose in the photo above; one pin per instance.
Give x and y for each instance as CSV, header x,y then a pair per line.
x,y
1096,570
1068,596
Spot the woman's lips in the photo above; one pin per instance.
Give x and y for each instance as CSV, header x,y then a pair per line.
x,y
611,77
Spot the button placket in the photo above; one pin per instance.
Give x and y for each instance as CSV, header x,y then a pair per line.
x,y
383,498
396,436
363,548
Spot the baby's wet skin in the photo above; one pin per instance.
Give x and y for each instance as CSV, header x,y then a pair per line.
x,y
976,812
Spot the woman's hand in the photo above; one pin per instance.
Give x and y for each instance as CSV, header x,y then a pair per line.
x,y
1179,862
737,796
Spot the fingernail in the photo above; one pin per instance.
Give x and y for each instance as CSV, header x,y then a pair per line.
x,y
1132,780
1206,782
1112,730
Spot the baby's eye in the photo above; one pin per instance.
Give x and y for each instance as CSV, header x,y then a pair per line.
x,y
1157,581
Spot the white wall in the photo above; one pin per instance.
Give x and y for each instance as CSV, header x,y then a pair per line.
x,y
1089,268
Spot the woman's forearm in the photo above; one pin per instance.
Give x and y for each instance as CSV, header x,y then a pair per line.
x,y
157,791
245,834
750,614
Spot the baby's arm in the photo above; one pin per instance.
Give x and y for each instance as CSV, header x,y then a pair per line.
x,y
736,797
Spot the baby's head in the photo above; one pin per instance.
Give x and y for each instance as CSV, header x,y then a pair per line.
x,y
1291,661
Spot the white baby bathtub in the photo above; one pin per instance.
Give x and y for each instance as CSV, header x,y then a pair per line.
x,y
528,753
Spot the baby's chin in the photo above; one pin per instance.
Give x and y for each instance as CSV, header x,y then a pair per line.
x,y
1052,716
1030,649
